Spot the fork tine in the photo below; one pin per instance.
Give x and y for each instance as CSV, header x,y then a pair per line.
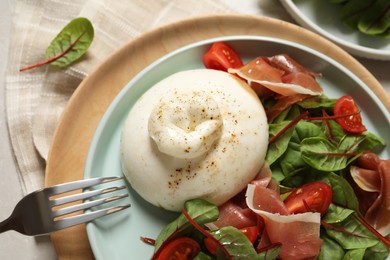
x,y
83,195
86,205
86,217
76,185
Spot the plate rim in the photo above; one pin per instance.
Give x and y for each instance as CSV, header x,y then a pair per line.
x,y
355,49
66,161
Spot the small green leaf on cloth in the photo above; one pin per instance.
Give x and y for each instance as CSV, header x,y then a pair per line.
x,y
69,45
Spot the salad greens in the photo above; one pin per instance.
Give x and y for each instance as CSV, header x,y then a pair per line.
x,y
320,150
309,147
319,144
200,211
234,242
312,143
370,17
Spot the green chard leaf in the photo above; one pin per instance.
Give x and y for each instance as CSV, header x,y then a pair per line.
x,y
235,242
343,194
371,17
290,140
355,254
306,129
277,172
372,142
294,181
271,253
361,143
376,19
277,148
291,162
322,155
330,249
288,114
352,11
333,130
317,102
200,211
350,234
337,214
378,252
69,45
282,116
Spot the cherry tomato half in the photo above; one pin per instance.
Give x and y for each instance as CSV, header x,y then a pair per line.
x,y
181,248
345,105
251,233
221,57
310,197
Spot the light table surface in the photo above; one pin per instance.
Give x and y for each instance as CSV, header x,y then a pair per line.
x,y
16,246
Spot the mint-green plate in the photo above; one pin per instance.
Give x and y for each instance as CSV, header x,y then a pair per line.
x,y
118,236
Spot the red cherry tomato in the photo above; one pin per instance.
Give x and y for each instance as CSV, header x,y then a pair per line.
x,y
352,123
311,197
251,233
221,57
181,248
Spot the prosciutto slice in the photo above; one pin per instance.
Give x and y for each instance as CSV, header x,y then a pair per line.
x,y
235,212
280,77
282,103
299,234
372,176
288,79
289,65
232,214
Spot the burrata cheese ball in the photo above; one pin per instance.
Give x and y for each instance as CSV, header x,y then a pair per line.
x,y
195,134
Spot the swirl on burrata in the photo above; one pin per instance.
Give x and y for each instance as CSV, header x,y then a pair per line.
x,y
195,134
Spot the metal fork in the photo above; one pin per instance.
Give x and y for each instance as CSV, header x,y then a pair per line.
x,y
38,212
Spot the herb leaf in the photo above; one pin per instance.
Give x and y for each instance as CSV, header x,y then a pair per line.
x,y
336,214
350,234
317,102
377,20
355,253
371,17
276,149
318,153
69,45
343,194
271,252
235,242
200,211
330,249
379,251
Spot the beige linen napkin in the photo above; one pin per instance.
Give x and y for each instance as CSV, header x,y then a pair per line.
x,y
35,99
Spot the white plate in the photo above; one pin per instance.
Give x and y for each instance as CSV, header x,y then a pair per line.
x,y
118,236
322,17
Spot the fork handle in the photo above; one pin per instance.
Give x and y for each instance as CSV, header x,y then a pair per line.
x,y
9,224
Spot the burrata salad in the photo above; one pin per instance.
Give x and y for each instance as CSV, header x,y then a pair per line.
x,y
259,164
